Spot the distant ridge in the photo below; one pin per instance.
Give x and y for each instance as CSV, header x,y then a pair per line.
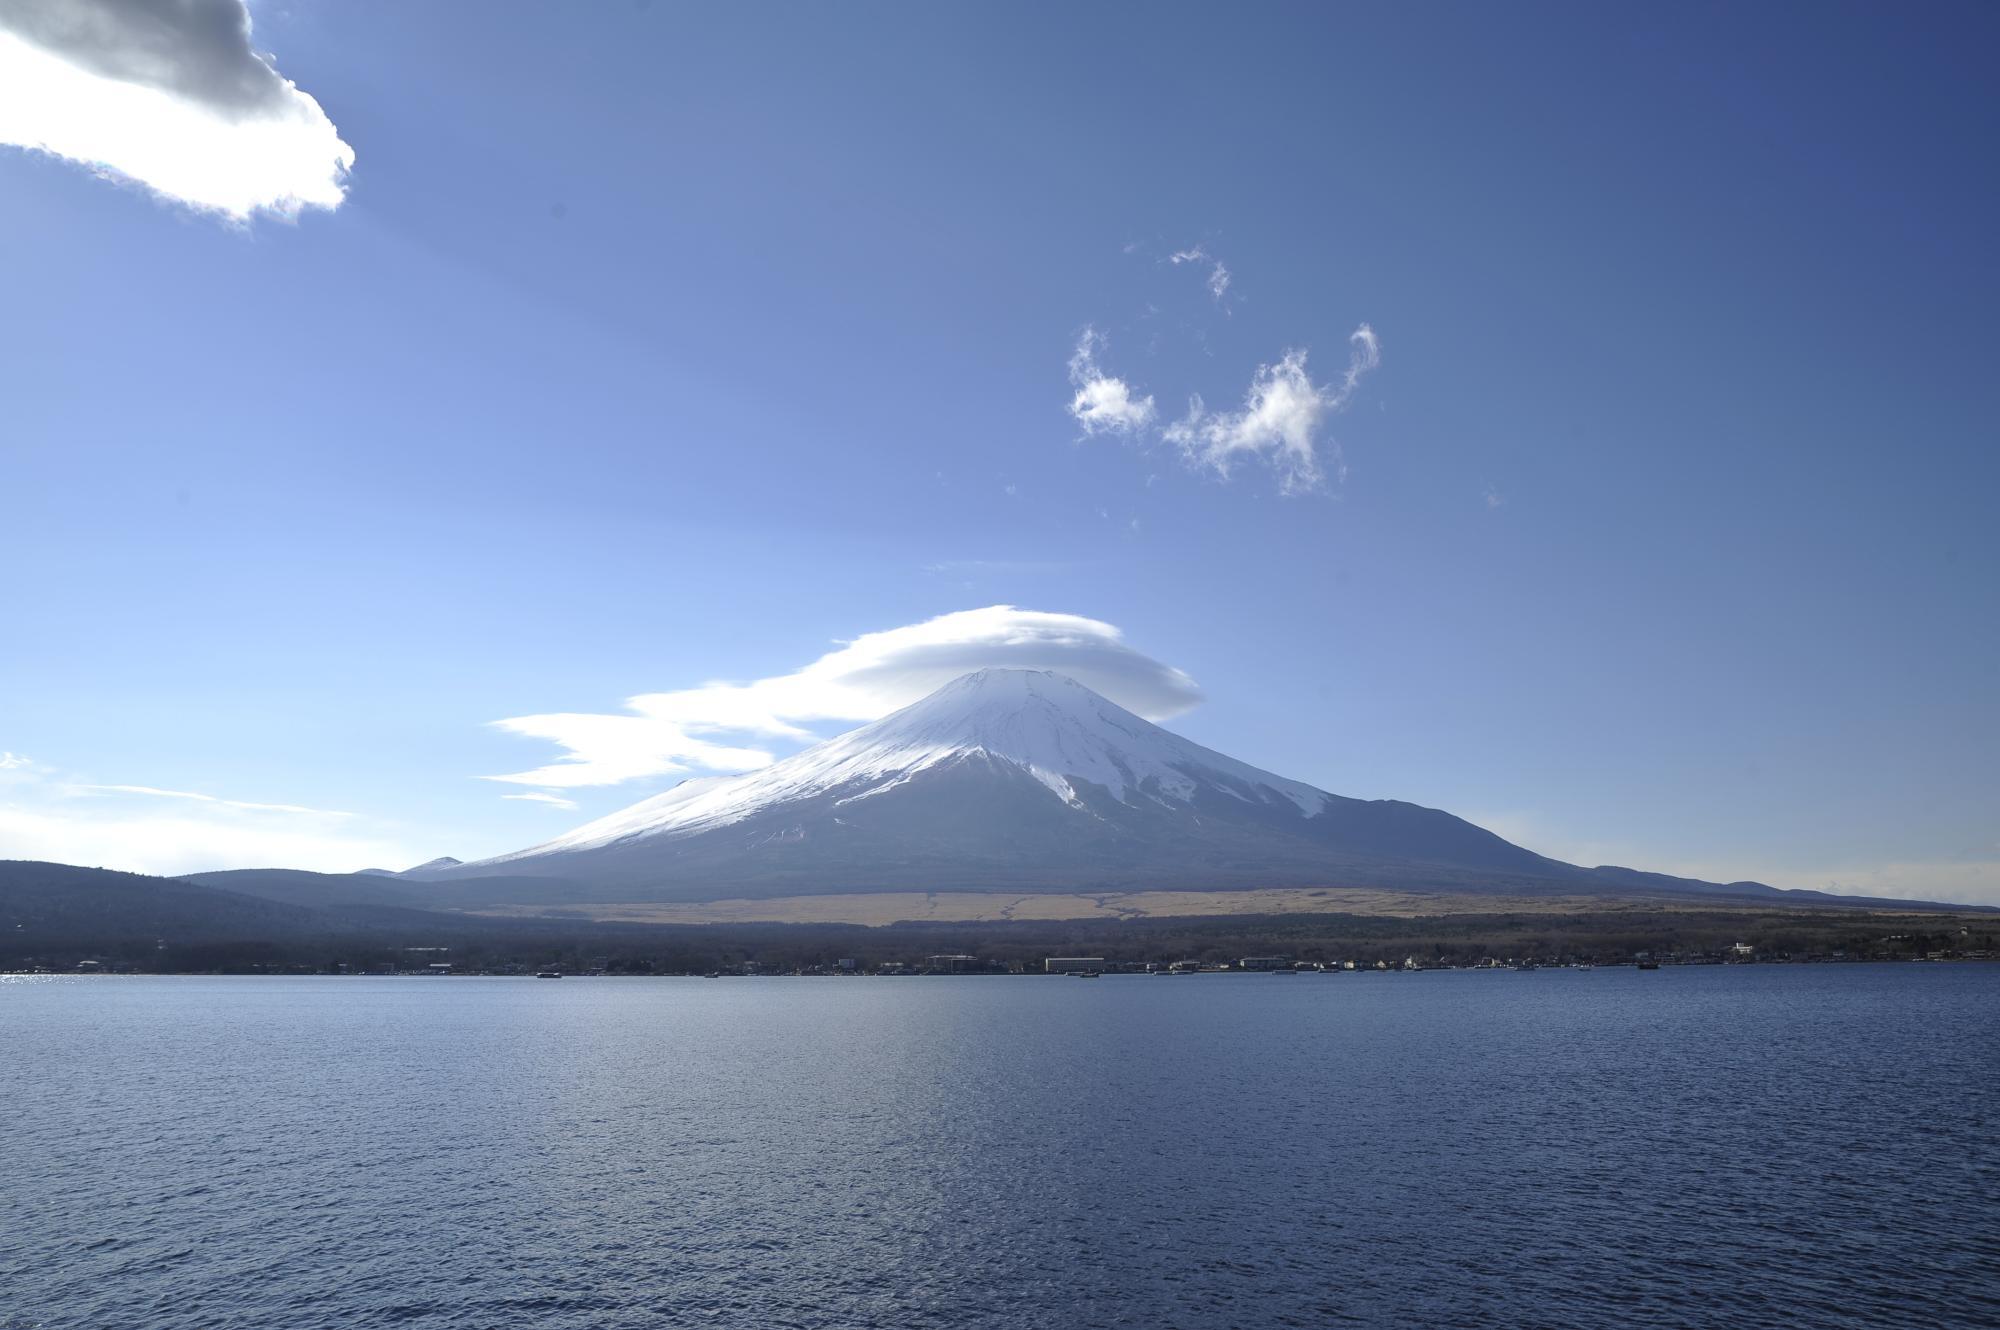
x,y
428,866
438,864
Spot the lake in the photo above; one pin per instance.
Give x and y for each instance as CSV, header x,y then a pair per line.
x,y
1700,1146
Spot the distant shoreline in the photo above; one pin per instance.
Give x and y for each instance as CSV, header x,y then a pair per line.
x,y
1130,971
453,946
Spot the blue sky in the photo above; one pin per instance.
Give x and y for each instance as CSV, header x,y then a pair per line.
x,y
654,345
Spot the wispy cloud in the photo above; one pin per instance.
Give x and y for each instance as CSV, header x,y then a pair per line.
x,y
543,797
664,733
1974,881
1281,420
1972,878
47,814
171,844
1000,567
13,761
1494,498
150,792
172,96
1218,272
1103,404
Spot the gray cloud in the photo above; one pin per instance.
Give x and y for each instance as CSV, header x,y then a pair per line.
x,y
198,50
171,94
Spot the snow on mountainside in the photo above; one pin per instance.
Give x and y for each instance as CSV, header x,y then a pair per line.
x,y
1021,781
1047,725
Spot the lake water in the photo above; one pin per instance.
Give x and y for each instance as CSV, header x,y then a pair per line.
x,y
1743,1146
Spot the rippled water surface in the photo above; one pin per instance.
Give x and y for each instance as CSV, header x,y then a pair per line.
x,y
1744,1146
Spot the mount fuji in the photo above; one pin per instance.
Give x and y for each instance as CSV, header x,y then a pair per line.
x,y
1024,781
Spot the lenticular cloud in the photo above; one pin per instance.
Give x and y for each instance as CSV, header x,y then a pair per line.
x,y
172,96
864,679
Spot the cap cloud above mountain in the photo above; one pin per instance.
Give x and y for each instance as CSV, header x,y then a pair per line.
x,y
866,678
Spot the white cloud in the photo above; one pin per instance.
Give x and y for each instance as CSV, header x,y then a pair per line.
x,y
172,96
1494,498
11,761
1281,417
174,844
864,679
543,797
45,816
607,750
1103,404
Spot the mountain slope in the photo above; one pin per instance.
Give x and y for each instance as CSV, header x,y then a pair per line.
x,y
45,904
1016,780
365,890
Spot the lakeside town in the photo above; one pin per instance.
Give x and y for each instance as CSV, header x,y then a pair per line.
x,y
439,961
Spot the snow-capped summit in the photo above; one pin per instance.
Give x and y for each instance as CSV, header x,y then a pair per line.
x,y
1046,725
1006,779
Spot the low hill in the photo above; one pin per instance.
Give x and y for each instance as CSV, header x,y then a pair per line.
x,y
65,904
57,905
59,913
